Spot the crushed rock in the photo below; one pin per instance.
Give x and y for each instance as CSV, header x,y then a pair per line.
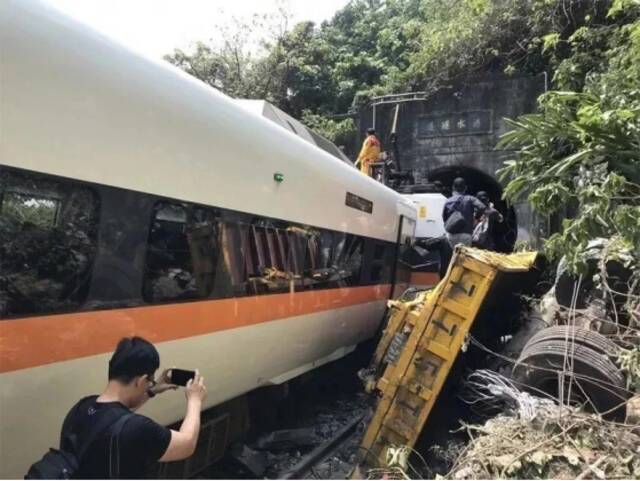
x,y
328,420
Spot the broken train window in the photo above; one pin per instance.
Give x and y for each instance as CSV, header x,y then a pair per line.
x,y
182,252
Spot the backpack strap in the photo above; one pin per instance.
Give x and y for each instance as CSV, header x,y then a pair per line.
x,y
68,439
114,446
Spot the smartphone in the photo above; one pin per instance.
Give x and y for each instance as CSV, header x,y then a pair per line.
x,y
180,377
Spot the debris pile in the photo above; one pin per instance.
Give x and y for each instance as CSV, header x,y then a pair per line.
x,y
537,438
562,399
570,407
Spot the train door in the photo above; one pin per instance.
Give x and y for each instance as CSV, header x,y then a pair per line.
x,y
402,271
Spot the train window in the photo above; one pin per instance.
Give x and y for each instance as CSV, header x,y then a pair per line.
x,y
353,260
232,251
39,210
48,241
381,263
272,262
407,233
346,259
273,249
311,260
258,252
182,252
297,248
247,252
319,268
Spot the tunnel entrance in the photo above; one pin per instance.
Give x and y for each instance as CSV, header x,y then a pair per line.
x,y
476,180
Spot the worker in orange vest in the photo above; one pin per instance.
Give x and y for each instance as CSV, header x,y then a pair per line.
x,y
370,152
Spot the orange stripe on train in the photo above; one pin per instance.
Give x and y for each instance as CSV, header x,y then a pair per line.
x,y
35,341
425,278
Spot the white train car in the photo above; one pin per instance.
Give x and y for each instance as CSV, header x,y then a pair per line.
x,y
136,200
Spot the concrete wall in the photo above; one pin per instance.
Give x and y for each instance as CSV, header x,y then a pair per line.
x,y
457,129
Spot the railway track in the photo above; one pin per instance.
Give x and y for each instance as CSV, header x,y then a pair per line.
x,y
322,452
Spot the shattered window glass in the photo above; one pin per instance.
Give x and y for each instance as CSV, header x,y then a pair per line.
x,y
48,242
381,263
182,252
353,262
339,260
403,268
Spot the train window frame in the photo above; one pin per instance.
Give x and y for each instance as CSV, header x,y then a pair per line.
x,y
70,187
189,208
56,200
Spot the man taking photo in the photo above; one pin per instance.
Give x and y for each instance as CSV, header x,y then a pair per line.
x,y
89,426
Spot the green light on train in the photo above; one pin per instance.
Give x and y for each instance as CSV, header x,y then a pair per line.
x,y
278,176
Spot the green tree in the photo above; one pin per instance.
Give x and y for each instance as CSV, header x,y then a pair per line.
x,y
582,149
238,66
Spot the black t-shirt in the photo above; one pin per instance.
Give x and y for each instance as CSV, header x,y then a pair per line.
x,y
142,441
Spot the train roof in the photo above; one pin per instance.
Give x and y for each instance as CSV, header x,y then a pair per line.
x,y
75,103
287,122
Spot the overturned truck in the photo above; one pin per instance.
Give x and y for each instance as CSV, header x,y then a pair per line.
x,y
475,313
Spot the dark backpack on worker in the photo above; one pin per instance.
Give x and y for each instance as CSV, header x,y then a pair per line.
x,y
64,464
456,223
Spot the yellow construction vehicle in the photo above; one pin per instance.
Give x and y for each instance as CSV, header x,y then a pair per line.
x,y
421,341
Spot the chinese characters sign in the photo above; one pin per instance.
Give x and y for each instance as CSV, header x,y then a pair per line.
x,y
455,123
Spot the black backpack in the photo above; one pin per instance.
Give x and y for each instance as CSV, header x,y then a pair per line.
x,y
64,464
456,223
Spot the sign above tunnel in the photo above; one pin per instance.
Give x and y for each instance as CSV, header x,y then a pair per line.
x,y
471,122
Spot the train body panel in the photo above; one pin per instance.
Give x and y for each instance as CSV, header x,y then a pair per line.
x,y
35,400
150,149
76,104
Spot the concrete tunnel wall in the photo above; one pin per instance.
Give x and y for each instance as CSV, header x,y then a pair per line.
x,y
455,132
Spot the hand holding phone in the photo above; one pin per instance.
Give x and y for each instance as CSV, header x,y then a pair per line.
x,y
195,390
180,377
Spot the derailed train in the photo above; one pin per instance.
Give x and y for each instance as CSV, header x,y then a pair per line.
x,y
137,200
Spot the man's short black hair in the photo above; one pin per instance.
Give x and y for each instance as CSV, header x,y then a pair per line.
x,y
371,131
459,185
133,357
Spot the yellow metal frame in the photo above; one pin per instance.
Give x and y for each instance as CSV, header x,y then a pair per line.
x,y
439,321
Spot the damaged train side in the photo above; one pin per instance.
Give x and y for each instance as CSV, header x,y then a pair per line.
x,y
135,199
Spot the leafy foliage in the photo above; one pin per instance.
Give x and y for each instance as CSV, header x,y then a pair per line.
x,y
340,132
581,153
373,47
240,66
578,157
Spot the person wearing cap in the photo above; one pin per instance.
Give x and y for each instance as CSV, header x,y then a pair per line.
x,y
369,153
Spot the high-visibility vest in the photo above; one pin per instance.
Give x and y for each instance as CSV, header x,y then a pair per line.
x,y
369,153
